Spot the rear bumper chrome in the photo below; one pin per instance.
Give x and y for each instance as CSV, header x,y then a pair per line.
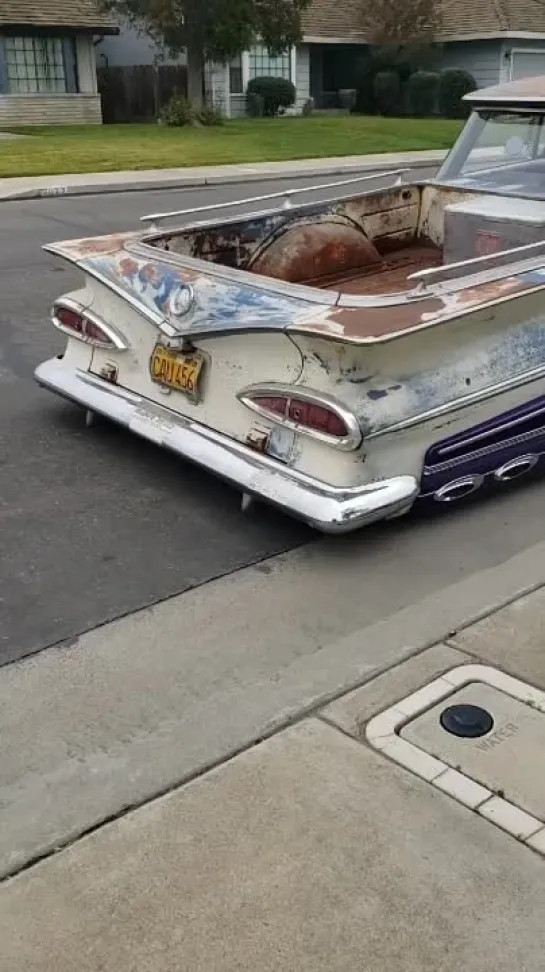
x,y
331,509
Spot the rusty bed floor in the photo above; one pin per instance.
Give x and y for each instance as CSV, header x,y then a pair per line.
x,y
391,276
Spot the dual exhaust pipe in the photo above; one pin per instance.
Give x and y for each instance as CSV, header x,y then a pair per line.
x,y
459,489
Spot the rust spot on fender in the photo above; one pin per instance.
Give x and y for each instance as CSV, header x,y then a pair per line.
x,y
377,322
94,246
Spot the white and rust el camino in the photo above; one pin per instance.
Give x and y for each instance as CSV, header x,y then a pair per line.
x,y
341,359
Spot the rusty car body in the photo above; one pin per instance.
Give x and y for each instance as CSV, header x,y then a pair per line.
x,y
340,358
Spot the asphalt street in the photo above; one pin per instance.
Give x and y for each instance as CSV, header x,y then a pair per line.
x,y
95,524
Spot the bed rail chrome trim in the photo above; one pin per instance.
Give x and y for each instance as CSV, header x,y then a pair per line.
x,y
284,194
443,272
331,509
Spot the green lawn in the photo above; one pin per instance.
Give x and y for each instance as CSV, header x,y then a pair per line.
x,y
56,150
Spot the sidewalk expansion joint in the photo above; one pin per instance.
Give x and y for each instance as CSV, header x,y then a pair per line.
x,y
311,710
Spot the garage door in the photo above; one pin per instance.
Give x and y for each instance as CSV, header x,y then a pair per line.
x,y
526,64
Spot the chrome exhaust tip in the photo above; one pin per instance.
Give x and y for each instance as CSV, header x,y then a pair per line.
x,y
458,489
515,468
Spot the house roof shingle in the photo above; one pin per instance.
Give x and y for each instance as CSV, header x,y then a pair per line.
x,y
335,18
75,14
343,19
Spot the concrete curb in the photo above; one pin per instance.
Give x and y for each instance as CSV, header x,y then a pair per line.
x,y
216,178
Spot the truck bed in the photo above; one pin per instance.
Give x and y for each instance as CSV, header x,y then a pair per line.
x,y
389,277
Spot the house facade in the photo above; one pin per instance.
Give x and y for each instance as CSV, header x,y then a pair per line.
x,y
47,61
494,41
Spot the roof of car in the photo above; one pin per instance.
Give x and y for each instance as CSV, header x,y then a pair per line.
x,y
527,92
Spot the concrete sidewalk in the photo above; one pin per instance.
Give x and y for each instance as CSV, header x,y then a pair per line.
x,y
313,851
185,178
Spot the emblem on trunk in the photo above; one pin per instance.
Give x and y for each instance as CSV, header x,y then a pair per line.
x,y
181,300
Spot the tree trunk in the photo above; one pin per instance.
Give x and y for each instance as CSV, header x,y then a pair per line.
x,y
195,77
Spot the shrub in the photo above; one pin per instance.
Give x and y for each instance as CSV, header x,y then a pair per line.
x,y
277,94
347,98
210,116
422,92
454,83
392,59
381,60
177,112
308,107
387,91
255,105
365,97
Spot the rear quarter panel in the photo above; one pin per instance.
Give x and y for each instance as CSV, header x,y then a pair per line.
x,y
434,382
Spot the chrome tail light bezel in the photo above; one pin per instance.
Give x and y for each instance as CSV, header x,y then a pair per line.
x,y
115,342
348,443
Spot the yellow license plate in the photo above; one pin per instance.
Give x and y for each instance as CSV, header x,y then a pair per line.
x,y
178,370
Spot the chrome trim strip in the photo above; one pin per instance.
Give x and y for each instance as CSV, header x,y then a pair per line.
x,y
285,194
524,437
348,443
455,405
331,509
436,273
116,342
490,433
95,381
529,104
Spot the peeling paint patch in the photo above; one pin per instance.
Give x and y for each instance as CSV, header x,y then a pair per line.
x,y
492,361
219,305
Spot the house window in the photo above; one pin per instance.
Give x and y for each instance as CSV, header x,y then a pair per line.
x,y
236,84
262,64
37,65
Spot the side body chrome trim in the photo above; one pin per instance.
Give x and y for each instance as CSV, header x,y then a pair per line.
x,y
455,405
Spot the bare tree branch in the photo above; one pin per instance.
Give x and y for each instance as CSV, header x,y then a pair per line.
x,y
401,23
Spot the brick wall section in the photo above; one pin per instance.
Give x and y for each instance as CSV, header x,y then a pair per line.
x,y
75,109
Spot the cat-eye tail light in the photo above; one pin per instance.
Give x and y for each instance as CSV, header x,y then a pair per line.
x,y
306,411
78,322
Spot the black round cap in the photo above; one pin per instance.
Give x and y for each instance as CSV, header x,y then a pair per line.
x,y
466,721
